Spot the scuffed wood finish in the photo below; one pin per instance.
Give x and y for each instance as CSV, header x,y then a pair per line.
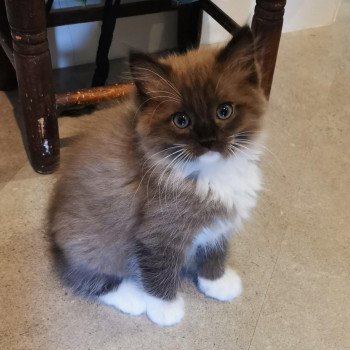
x,y
93,95
27,19
8,79
267,27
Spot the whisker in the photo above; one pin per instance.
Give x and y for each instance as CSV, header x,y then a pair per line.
x,y
140,106
162,174
159,104
148,158
182,160
246,133
268,150
238,149
165,80
218,82
171,94
153,167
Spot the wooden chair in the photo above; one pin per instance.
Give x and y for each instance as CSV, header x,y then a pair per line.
x,y
25,57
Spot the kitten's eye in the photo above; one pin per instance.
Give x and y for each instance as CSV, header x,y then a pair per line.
x,y
181,120
224,111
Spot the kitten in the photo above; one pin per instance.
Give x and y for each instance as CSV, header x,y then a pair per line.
x,y
162,186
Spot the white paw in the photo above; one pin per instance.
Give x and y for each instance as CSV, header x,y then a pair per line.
x,y
128,298
163,312
225,288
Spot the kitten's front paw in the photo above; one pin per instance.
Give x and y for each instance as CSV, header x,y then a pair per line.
x,y
164,312
227,287
128,298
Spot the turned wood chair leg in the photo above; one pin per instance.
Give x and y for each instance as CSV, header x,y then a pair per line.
x,y
27,19
267,27
7,72
189,26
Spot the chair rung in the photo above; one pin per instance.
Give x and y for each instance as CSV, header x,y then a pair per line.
x,y
220,16
93,95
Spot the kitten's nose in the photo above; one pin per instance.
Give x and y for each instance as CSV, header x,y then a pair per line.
x,y
207,143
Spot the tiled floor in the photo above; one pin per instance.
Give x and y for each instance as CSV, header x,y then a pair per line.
x,y
293,256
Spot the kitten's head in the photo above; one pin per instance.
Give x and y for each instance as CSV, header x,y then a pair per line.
x,y
205,102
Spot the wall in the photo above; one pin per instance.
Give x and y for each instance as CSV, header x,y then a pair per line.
x,y
77,44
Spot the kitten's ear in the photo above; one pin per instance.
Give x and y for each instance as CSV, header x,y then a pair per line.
x,y
241,50
147,72
241,43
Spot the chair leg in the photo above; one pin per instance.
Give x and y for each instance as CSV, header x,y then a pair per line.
x,y
108,25
7,72
27,19
189,26
267,27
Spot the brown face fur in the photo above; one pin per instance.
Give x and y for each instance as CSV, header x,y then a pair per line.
x,y
196,84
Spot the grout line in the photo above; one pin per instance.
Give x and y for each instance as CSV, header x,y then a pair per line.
x,y
267,290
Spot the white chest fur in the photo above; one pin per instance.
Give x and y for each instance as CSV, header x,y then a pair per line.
x,y
234,182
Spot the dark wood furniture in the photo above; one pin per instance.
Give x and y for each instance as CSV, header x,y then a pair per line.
x,y
25,57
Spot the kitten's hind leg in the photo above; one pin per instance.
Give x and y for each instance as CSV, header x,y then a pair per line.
x,y
128,298
215,279
123,294
81,279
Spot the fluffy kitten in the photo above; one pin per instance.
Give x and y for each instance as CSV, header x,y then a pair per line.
x,y
162,186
